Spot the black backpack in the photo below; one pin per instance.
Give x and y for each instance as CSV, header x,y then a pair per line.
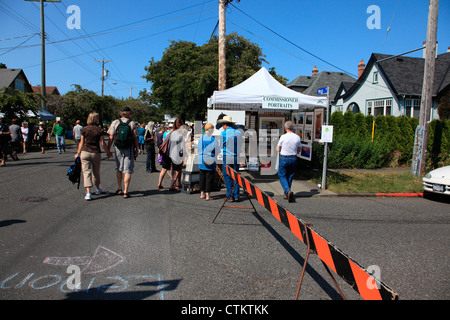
x,y
74,172
124,137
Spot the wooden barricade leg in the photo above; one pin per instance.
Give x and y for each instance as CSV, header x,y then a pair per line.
x,y
305,263
237,207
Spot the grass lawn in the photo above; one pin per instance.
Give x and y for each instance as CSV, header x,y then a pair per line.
x,y
369,181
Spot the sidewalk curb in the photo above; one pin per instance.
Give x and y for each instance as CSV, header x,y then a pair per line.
x,y
365,195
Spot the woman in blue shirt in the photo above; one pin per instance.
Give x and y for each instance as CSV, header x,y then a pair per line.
x,y
141,133
207,146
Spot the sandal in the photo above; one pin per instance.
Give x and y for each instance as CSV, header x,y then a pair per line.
x,y
126,195
160,187
119,191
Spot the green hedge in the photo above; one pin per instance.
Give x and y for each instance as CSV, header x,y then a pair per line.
x,y
392,144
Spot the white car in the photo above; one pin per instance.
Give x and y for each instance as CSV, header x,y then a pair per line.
x,y
437,181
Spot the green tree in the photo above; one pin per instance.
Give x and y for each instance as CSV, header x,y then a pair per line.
x,y
337,121
360,126
349,123
78,103
15,103
187,74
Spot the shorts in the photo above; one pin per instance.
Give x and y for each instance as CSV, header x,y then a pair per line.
x,y
168,164
125,159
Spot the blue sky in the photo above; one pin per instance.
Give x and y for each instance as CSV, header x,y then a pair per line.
x,y
131,32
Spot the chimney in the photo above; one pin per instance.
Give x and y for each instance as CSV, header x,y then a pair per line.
x,y
425,49
315,71
361,67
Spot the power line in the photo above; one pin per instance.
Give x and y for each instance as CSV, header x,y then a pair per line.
x,y
18,37
128,41
297,46
110,31
19,44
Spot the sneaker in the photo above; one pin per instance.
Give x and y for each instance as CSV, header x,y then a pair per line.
x,y
99,191
88,197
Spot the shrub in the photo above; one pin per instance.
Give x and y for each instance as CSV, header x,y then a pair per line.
x,y
392,145
352,152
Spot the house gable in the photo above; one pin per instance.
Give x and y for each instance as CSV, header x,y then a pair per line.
x,y
371,92
15,79
401,79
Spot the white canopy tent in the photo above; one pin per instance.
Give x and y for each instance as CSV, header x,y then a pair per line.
x,y
253,94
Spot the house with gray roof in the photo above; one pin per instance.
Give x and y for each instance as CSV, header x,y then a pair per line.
x,y
309,85
392,85
15,79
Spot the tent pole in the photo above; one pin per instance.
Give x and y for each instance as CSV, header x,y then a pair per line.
x,y
325,151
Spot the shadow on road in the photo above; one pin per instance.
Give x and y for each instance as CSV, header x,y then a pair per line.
x,y
6,223
101,292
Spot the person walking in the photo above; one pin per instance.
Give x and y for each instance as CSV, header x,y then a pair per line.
x,y
59,130
288,146
90,154
41,136
149,140
5,137
25,132
141,142
231,141
16,138
206,147
173,158
77,132
122,132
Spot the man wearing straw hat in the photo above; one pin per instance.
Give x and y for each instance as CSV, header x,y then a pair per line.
x,y
231,140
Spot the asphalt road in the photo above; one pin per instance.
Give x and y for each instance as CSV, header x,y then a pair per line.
x,y
161,245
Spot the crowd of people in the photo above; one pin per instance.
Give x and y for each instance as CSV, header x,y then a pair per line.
x,y
169,145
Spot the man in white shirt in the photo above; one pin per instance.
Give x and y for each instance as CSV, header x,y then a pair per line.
x,y
289,146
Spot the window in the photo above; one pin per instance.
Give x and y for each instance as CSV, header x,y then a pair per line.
x,y
19,85
379,107
388,107
375,77
353,107
414,106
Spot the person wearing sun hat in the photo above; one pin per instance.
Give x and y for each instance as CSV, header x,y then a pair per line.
x,y
231,141
207,146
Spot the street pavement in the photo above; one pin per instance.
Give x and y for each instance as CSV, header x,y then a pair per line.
x,y
162,245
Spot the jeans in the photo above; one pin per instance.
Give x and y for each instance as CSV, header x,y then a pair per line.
x,y
286,171
61,143
229,182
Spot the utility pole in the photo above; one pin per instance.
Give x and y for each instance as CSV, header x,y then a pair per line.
x,y
43,104
222,43
222,40
103,73
131,92
428,77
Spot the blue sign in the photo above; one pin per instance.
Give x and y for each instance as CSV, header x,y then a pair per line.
x,y
322,90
